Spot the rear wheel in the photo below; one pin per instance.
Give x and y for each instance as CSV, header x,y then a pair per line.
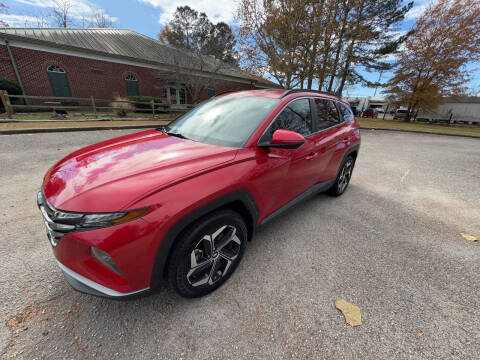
x,y
343,178
207,253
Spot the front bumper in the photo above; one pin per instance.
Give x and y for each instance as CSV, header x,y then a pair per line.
x,y
87,286
131,245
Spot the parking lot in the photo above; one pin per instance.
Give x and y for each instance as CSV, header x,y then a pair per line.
x,y
391,245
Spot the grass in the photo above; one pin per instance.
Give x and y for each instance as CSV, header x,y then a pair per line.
x,y
465,130
63,124
90,116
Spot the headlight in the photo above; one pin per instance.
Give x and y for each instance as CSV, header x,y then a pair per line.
x,y
109,219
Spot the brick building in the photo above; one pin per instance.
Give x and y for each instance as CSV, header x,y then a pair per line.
x,y
106,62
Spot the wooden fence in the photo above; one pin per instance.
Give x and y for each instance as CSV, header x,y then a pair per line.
x,y
28,103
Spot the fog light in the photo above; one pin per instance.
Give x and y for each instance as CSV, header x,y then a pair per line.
x,y
104,259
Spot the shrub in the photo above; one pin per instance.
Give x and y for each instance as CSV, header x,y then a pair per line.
x,y
9,86
145,99
121,109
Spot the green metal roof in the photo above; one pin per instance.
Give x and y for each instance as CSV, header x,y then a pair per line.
x,y
123,43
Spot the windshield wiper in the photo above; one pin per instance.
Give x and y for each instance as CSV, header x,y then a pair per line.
x,y
181,136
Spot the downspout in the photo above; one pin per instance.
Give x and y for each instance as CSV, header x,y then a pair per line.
x,y
14,64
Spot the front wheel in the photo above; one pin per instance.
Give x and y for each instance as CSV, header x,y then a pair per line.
x,y
207,253
343,178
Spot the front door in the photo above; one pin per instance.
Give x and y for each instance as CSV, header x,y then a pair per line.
x,y
291,171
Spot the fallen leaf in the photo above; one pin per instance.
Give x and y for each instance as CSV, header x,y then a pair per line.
x,y
292,335
352,313
420,334
468,237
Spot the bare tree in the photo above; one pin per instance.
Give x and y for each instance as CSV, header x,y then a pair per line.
x,y
101,20
196,71
3,10
61,12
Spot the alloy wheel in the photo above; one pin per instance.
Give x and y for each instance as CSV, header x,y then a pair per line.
x,y
213,255
345,176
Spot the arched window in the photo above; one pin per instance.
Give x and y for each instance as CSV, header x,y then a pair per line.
x,y
131,83
56,68
59,81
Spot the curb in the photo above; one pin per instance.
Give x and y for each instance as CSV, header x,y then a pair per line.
x,y
419,132
71,129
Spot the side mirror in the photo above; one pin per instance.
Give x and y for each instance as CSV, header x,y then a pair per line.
x,y
285,139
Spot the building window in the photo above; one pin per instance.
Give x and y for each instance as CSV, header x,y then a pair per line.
x,y
59,81
173,96
131,83
211,92
183,96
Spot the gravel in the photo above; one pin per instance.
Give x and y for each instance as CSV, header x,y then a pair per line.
x,y
390,245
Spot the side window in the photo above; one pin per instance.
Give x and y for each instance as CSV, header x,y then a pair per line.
x,y
296,116
345,111
328,115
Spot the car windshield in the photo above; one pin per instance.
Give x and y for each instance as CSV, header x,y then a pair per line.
x,y
225,120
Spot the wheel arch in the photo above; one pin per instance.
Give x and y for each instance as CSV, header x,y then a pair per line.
x,y
240,201
353,151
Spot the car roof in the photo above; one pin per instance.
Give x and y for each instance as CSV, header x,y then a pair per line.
x,y
281,93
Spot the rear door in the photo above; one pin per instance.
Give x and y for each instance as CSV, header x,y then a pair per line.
x,y
326,137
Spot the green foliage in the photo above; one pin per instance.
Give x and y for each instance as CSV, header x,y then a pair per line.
x,y
9,86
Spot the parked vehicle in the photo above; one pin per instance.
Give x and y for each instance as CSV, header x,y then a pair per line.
x,y
181,203
400,114
371,113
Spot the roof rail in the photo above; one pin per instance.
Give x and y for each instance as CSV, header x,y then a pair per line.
x,y
231,91
224,92
291,91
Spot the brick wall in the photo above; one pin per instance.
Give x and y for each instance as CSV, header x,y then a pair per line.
x,y
87,77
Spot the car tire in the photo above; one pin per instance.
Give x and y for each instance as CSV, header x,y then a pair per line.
x,y
343,178
207,253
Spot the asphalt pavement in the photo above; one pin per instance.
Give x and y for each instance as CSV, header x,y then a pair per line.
x,y
390,245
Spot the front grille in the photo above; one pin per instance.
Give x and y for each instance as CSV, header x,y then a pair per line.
x,y
57,222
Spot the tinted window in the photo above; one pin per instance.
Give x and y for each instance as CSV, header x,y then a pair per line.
x,y
225,120
296,116
327,113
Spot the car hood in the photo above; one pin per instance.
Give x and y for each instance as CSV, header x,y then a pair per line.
x,y
111,175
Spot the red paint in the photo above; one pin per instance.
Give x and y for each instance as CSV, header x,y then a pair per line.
x,y
173,177
287,137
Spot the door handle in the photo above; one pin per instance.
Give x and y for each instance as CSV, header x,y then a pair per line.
x,y
345,140
311,155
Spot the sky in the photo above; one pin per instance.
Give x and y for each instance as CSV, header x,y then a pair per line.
x,y
148,17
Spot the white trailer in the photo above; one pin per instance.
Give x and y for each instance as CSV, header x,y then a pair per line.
x,y
465,110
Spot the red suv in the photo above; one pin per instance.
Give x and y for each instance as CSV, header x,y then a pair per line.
x,y
180,203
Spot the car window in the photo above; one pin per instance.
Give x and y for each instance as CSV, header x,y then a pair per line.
x,y
327,114
224,120
344,110
296,116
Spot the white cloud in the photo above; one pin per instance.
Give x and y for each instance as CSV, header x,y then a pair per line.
x,y
83,10
418,9
21,20
216,10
